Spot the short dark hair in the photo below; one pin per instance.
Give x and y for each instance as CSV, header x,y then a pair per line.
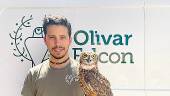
x,y
57,20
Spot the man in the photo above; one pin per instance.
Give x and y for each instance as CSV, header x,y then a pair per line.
x,y
56,76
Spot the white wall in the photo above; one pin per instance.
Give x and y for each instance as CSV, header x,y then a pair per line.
x,y
149,24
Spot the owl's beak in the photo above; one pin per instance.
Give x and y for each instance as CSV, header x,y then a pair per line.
x,y
88,60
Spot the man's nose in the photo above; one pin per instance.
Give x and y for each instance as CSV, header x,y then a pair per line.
x,y
57,42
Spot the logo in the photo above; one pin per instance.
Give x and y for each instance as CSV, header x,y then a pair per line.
x,y
27,42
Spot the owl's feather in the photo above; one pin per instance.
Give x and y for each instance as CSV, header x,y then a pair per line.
x,y
91,80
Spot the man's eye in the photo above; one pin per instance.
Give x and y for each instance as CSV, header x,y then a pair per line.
x,y
63,37
51,37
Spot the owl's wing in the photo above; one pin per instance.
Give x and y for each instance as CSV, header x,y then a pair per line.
x,y
100,84
106,82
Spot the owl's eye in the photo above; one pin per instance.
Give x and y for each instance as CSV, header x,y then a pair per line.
x,y
93,56
84,55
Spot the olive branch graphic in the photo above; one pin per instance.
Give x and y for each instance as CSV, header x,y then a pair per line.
x,y
17,38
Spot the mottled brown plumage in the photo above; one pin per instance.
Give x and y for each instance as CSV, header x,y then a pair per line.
x,y
92,82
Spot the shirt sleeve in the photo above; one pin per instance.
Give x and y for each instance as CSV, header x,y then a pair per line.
x,y
28,87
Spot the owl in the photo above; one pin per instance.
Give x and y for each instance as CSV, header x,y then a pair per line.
x,y
91,81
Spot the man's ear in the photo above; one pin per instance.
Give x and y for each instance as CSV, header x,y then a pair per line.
x,y
70,40
44,39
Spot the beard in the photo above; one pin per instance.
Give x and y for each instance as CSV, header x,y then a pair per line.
x,y
58,55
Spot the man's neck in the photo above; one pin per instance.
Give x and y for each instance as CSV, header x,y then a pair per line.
x,y
59,63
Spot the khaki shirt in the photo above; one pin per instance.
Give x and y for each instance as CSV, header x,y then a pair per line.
x,y
43,80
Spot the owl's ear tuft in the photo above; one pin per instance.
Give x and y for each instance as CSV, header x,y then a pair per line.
x,y
81,54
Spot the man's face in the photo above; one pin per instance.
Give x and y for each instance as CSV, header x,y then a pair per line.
x,y
57,40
